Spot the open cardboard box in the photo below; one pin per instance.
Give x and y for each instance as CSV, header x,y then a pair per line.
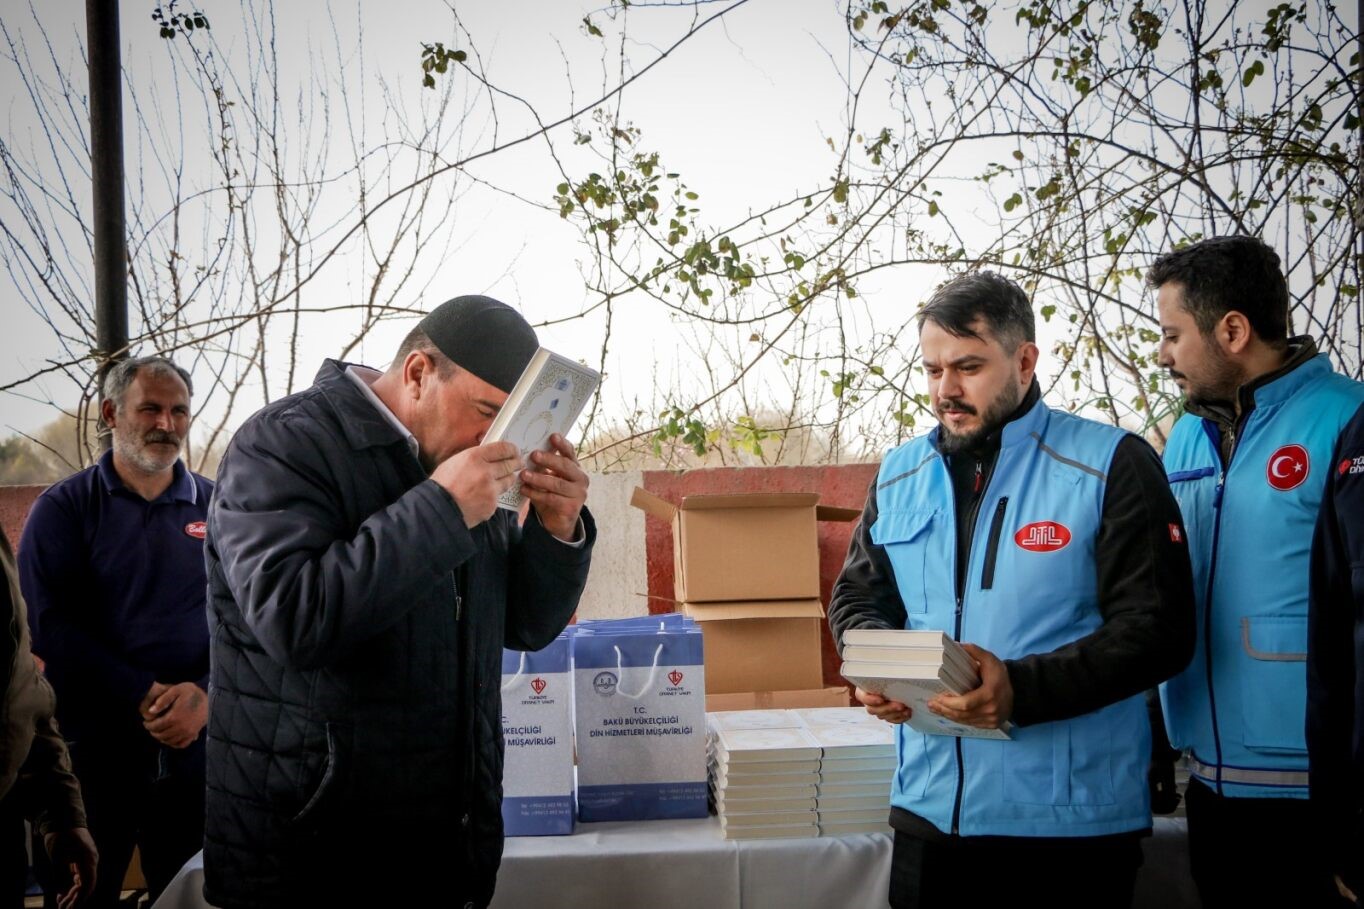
x,y
757,546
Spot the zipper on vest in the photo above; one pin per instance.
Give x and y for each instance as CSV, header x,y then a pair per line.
x,y
982,483
1217,496
987,575
459,600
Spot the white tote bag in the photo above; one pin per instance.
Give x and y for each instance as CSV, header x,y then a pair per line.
x,y
639,716
537,727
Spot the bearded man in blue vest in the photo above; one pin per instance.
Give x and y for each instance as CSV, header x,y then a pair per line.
x,y
1051,545
1247,462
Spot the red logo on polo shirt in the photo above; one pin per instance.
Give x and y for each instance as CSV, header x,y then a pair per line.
x,y
675,677
1287,467
1043,536
538,685
198,530
1176,534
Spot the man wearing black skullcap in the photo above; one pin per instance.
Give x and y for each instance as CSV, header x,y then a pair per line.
x,y
362,585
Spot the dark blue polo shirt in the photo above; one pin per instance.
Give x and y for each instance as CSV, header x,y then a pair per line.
x,y
115,588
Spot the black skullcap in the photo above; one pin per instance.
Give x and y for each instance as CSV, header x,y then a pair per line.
x,y
484,336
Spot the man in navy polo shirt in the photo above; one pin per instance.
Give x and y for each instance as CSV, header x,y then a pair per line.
x,y
111,564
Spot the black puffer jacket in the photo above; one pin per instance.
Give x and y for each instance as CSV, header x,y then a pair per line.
x,y
354,736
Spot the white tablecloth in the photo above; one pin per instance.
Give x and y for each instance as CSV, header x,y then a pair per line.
x,y
685,864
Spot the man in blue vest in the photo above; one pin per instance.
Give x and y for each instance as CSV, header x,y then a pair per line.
x,y
1247,462
1050,543
1335,666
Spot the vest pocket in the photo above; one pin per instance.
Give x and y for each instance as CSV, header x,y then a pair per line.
x,y
1067,762
905,537
1274,683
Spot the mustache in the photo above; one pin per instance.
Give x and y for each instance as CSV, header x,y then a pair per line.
x,y
949,405
158,436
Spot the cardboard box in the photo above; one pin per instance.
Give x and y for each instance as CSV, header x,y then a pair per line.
x,y
770,645
759,546
778,700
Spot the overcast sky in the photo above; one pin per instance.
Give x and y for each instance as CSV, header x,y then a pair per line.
x,y
742,111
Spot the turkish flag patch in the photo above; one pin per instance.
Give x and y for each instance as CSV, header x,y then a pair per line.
x,y
1287,467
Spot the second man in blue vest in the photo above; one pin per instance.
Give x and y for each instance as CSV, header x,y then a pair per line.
x,y
1248,463
1052,544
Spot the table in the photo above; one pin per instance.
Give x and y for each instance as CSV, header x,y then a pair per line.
x,y
684,864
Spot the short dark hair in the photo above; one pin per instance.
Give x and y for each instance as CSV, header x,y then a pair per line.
x,y
1222,274
994,299
121,375
418,340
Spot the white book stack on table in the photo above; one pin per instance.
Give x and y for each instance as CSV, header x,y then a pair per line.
x,y
911,667
800,773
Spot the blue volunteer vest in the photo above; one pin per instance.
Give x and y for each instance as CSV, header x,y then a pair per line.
x,y
1031,587
1250,538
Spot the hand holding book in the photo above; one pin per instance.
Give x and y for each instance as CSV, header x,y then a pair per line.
x,y
989,705
556,487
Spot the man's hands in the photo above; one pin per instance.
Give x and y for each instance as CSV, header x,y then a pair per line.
x,y
882,709
174,715
557,487
990,704
552,482
74,859
477,476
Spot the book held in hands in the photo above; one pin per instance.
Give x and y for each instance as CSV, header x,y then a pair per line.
x,y
548,398
912,667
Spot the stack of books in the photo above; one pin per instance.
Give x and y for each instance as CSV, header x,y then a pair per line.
x,y
800,773
911,667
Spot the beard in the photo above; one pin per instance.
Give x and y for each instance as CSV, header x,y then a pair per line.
x,y
1218,385
996,412
138,452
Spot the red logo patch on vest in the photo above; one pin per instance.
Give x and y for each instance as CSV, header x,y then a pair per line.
x,y
538,685
1176,534
1287,467
675,677
198,530
1043,536
1344,467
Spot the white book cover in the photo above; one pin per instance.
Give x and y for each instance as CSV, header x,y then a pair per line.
x,y
914,694
836,716
769,744
548,398
862,740
753,719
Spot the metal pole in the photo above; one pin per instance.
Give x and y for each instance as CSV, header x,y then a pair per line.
x,y
106,170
